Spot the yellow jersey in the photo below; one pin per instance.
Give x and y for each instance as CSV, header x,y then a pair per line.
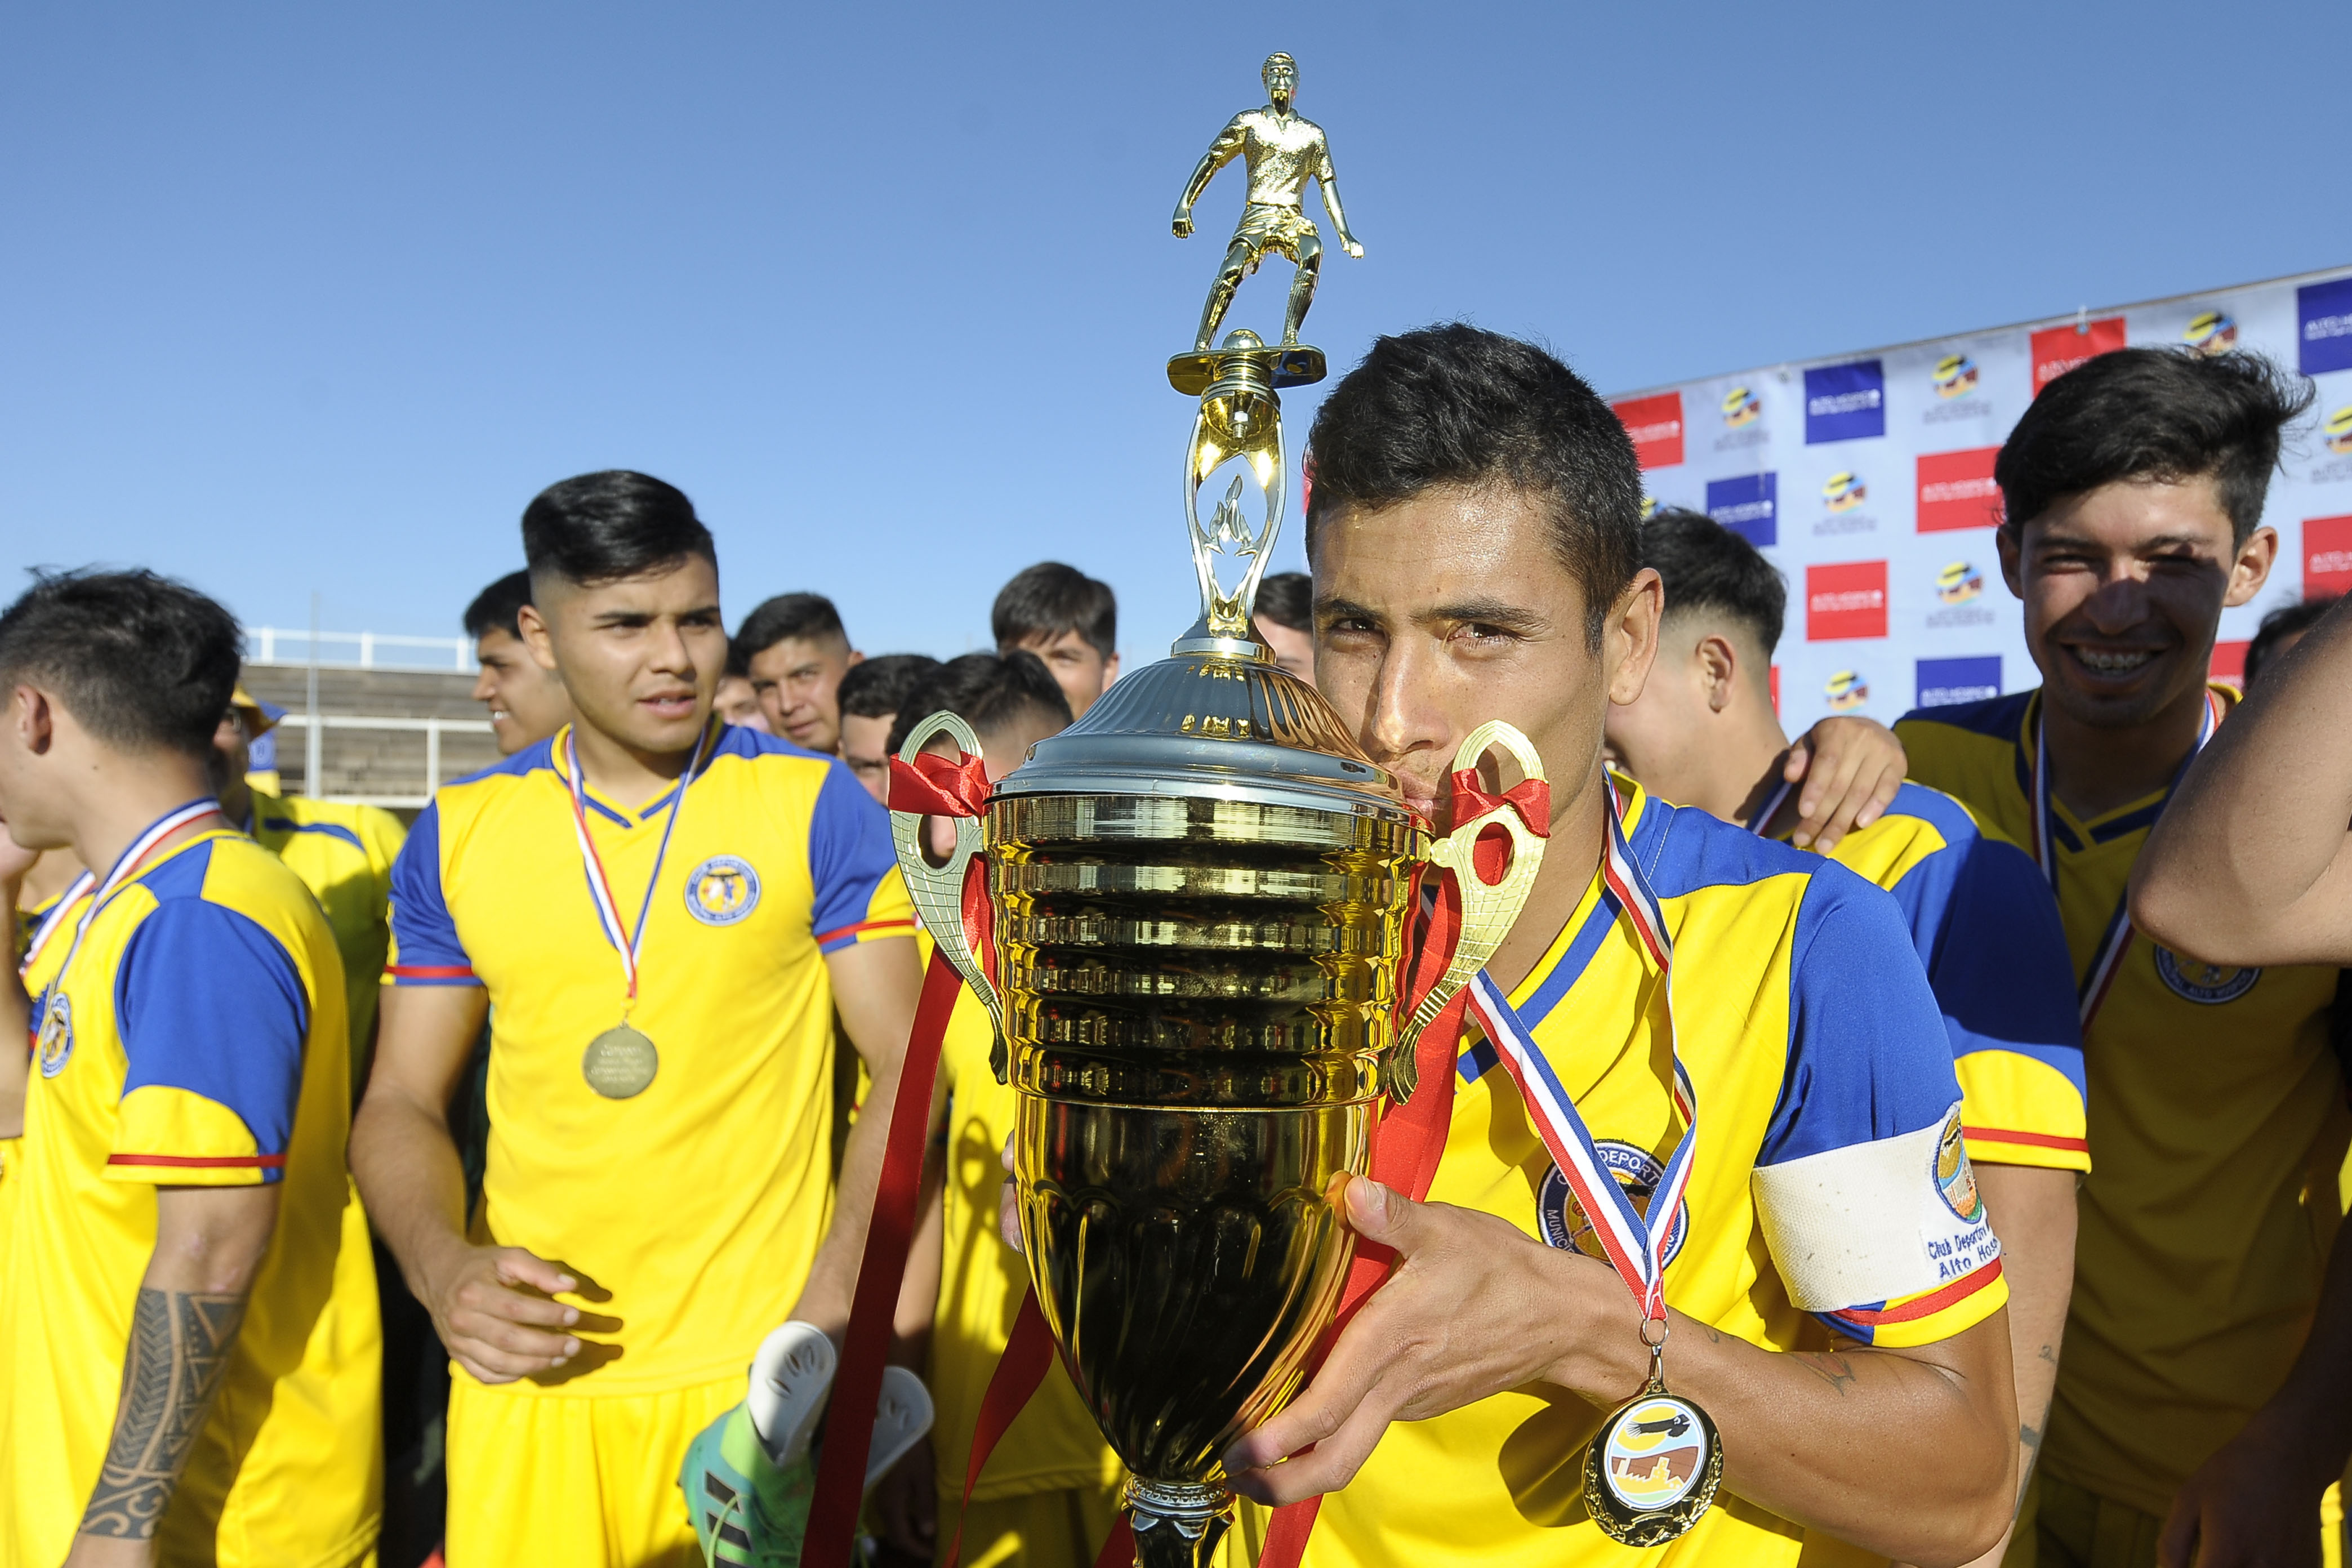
x,y
1987,930
344,852
1832,1187
2216,1112
1054,1443
691,1210
205,1048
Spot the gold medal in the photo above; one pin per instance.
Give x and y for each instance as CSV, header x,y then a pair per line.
x,y
1652,1468
620,1063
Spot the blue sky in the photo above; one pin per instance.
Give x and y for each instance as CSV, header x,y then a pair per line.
x,y
316,298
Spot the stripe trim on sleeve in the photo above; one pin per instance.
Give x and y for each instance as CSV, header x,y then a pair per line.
x,y
908,923
202,1162
431,970
1925,1305
2034,1140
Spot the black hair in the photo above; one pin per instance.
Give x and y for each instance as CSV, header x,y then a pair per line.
x,y
986,690
1287,599
1456,404
499,605
603,528
2277,627
141,661
810,617
1706,566
2163,415
1048,599
877,688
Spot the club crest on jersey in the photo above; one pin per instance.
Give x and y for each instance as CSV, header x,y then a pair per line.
x,y
56,1037
722,891
1567,1226
1954,1178
2210,984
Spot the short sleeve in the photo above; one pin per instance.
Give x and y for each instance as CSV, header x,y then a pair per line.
x,y
1862,1185
860,896
424,947
212,1014
384,836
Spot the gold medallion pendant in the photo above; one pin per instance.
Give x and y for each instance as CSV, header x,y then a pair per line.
x,y
620,1063
1653,1468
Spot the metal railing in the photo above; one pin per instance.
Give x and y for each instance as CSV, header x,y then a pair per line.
x,y
357,650
432,730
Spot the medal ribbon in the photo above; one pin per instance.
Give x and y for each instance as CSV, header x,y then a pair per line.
x,y
126,865
2116,941
1771,808
628,942
1636,1248
55,917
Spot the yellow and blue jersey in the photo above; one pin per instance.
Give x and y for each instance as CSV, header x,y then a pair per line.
x,y
205,1048
2215,1128
692,1211
344,852
1987,929
1830,1185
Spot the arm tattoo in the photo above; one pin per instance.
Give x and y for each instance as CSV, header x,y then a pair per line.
x,y
180,1345
1831,1366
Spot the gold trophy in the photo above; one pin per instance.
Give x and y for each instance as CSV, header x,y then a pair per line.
x,y
1198,898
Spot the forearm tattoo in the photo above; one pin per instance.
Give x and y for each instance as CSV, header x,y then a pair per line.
x,y
180,1344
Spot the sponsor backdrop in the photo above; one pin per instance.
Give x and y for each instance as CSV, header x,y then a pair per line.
x,y
1868,480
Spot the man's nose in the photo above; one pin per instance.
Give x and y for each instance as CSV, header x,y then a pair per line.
x,y
1403,719
2120,600
485,687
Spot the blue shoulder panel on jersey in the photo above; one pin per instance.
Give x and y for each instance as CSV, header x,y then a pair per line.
x,y
424,937
182,876
849,854
1867,1052
1682,849
207,1001
331,829
531,759
737,741
1995,716
1999,964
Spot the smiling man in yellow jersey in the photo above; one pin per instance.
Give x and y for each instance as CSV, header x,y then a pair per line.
x,y
187,1305
1704,733
1473,534
526,704
660,916
1047,1496
2133,489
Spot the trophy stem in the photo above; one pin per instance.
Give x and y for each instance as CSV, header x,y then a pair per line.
x,y
1177,1525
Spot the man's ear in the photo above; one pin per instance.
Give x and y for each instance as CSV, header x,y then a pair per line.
x,y
536,636
1110,671
2253,567
2010,543
1719,664
32,718
1628,640
855,658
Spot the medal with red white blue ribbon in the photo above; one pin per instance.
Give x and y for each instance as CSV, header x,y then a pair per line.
x,y
2116,941
1653,1466
621,1062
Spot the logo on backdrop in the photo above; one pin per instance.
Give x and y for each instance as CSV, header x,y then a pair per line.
x,y
1847,690
1956,489
2336,432
2212,333
1655,426
2339,430
2326,556
1845,599
2208,985
2057,350
1845,401
1944,681
1741,407
1958,583
2323,313
722,891
1649,508
1955,376
1842,495
1958,586
1749,506
1567,1226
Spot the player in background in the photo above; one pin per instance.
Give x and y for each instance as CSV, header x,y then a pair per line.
x,y
871,695
2134,491
1067,618
1704,733
736,702
659,915
188,1307
527,703
795,651
2281,630
1284,619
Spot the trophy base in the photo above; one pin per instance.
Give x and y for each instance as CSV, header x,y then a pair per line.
x,y
1297,365
1177,1525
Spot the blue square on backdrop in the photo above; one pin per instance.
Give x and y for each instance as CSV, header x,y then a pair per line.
x,y
1749,506
1845,401
2322,314
1944,681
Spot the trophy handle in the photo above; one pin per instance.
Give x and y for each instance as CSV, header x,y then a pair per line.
x,y
938,892
1488,909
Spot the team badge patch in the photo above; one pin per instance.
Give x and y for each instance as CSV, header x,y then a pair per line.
x,y
1567,1226
1954,1178
722,891
2210,984
55,1039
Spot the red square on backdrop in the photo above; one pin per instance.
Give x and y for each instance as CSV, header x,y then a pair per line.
x,y
2326,556
1956,489
1845,599
2057,350
2229,663
1656,424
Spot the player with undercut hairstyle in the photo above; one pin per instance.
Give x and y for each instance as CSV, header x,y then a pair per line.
x,y
659,915
2133,491
1067,618
871,695
188,1347
1285,620
527,703
795,651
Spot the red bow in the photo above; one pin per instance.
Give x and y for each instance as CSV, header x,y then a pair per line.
x,y
934,786
1531,798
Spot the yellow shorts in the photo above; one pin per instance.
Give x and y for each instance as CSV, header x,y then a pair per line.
x,y
1040,1530
588,1481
